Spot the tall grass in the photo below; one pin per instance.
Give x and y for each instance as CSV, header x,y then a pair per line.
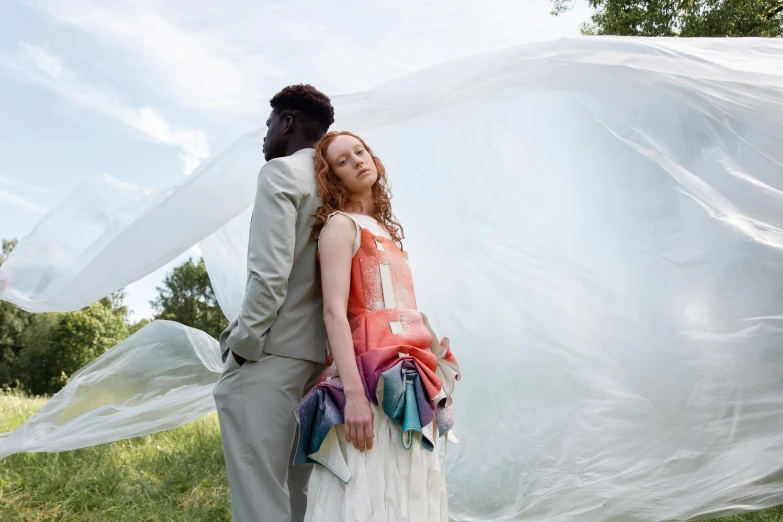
x,y
178,475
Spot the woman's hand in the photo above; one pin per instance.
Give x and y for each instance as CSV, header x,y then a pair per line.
x,y
358,421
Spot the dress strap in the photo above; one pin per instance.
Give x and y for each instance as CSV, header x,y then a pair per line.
x,y
357,240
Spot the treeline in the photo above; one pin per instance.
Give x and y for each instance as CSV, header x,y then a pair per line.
x,y
690,18
39,352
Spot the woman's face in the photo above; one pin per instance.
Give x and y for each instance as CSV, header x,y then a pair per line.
x,y
352,163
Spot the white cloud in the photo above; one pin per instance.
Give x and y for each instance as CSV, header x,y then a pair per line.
x,y
13,183
408,35
195,251
21,203
36,65
202,67
230,57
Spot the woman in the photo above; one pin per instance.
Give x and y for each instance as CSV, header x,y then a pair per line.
x,y
373,421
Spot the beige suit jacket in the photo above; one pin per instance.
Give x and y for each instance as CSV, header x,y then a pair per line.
x,y
282,310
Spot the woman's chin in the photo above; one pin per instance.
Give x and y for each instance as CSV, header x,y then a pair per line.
x,y
363,183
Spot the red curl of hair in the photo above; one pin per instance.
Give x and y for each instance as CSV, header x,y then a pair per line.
x,y
336,196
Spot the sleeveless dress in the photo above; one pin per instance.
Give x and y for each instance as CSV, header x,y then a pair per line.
x,y
408,377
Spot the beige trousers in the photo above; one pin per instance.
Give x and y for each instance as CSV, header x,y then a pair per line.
x,y
255,404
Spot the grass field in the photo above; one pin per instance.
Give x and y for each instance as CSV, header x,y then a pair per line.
x,y
174,476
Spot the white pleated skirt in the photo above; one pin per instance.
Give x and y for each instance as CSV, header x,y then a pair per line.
x,y
388,483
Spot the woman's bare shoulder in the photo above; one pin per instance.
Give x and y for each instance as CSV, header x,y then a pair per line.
x,y
339,229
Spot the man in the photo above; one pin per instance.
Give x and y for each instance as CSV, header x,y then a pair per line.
x,y
275,350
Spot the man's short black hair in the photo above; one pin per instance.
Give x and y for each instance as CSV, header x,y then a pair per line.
x,y
312,109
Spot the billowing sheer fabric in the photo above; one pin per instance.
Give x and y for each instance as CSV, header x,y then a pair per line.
x,y
596,224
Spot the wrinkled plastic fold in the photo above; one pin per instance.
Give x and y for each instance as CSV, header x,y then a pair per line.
x,y
596,224
157,379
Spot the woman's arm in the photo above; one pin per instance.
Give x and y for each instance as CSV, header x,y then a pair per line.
x,y
336,253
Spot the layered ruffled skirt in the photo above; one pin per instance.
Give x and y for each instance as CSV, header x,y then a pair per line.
x,y
388,483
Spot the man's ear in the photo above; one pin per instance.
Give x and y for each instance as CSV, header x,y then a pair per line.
x,y
288,124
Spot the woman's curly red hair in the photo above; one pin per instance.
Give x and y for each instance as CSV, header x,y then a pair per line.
x,y
336,197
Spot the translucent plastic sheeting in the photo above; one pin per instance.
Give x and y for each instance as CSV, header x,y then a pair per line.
x,y
80,250
597,224
159,378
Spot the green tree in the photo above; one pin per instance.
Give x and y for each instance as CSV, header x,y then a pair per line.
x,y
8,246
188,298
681,17
32,369
138,325
13,323
56,345
40,351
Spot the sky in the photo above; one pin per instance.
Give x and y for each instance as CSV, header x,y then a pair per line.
x,y
145,90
